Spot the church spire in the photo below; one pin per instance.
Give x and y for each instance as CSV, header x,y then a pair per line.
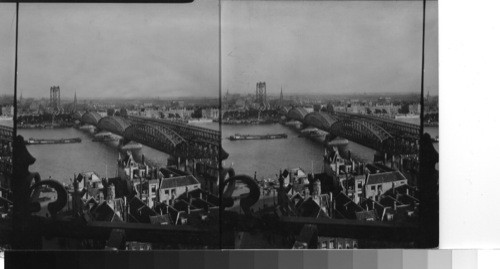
x,y
281,96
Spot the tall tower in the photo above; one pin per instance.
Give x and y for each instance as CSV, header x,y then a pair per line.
x,y
260,93
55,98
74,103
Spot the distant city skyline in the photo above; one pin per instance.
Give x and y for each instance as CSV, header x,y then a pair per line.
x,y
331,47
126,50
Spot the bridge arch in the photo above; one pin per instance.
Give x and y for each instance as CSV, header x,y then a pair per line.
x,y
114,124
364,133
297,113
158,137
320,120
91,117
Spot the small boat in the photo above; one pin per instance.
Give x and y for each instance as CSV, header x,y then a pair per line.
x,y
257,137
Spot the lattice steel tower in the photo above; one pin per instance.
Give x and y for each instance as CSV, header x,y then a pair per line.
x,y
55,98
260,93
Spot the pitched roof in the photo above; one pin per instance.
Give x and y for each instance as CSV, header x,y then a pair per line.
x,y
389,201
104,212
203,195
139,211
384,177
403,189
163,208
346,206
373,205
181,205
366,215
172,171
310,208
175,182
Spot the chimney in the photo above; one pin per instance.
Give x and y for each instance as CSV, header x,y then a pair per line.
x,y
331,204
128,210
395,207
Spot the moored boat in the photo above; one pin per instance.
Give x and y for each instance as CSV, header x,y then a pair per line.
x,y
257,137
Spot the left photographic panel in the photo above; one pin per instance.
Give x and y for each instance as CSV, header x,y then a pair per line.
x,y
118,108
7,67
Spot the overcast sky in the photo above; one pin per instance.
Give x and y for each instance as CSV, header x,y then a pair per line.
x,y
171,50
328,46
7,47
119,50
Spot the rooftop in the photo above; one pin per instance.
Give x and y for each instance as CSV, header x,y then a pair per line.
x,y
175,182
384,177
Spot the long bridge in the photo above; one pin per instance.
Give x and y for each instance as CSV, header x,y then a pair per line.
x,y
174,138
384,135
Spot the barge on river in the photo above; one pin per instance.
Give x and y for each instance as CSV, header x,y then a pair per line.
x,y
33,141
257,137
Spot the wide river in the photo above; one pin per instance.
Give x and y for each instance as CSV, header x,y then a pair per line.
x,y
264,157
267,157
62,161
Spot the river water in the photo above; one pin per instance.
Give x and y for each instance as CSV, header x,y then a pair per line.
x,y
265,157
62,161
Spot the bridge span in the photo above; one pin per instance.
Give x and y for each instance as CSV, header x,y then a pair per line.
x,y
174,138
384,135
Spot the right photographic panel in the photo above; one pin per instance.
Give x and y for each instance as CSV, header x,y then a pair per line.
x,y
329,119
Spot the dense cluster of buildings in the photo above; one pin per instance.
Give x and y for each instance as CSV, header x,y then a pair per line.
x,y
142,194
237,106
192,110
345,190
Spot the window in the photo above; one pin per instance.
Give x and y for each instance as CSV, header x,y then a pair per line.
x,y
372,188
360,184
